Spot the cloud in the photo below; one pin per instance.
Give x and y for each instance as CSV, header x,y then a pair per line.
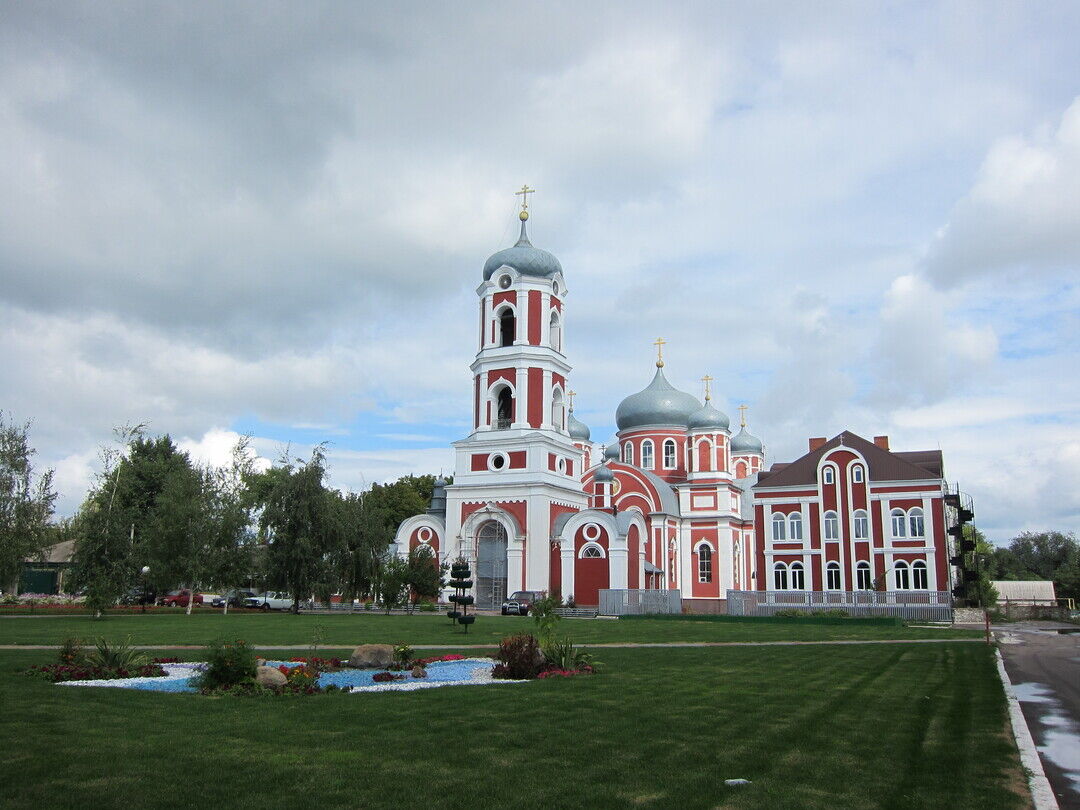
x,y
1023,213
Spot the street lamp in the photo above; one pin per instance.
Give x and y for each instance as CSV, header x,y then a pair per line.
x,y
145,574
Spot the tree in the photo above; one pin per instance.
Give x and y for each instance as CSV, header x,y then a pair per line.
x,y
26,502
1050,555
296,520
393,580
426,577
362,540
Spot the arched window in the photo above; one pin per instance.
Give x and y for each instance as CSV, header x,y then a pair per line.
x,y
827,475
856,473
797,582
915,522
832,526
832,576
704,563
780,577
862,577
862,525
899,523
592,552
628,453
669,454
740,470
918,576
795,524
504,408
900,576
555,332
647,454
704,456
779,527
507,327
558,415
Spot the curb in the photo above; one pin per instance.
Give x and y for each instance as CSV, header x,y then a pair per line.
x,y
1041,794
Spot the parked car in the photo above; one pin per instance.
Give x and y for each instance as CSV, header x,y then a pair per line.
x,y
181,598
519,602
139,596
269,600
236,598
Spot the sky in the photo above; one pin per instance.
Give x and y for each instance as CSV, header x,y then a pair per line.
x,y
271,219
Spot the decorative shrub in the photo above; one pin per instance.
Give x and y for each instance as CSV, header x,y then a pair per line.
x,y
564,656
403,654
320,664
58,673
71,651
427,607
519,658
790,613
116,656
228,664
835,613
543,613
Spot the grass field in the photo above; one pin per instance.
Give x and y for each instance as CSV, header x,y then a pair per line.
x,y
844,726
350,630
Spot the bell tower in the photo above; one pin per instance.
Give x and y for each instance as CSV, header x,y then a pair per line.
x,y
520,457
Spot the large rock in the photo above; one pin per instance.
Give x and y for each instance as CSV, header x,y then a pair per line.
x,y
372,656
271,678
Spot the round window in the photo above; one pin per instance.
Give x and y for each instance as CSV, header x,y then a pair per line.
x,y
505,281
498,461
555,287
424,535
591,531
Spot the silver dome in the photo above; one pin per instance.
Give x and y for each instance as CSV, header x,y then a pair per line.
x,y
743,442
611,452
708,418
660,404
604,474
523,257
578,430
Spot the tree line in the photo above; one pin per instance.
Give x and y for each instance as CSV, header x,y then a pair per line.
x,y
201,526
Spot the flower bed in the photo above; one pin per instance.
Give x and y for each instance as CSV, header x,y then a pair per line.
x,y
59,673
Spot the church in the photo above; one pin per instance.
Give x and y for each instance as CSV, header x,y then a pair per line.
x,y
676,502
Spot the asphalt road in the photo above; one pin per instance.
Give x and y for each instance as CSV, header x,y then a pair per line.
x,y
1044,667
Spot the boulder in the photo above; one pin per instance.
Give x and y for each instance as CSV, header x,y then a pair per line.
x,y
270,677
419,672
372,656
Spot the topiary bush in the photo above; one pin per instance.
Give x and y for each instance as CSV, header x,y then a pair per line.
x,y
228,664
520,658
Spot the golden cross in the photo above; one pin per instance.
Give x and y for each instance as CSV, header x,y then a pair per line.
x,y
742,416
659,344
571,395
707,379
525,192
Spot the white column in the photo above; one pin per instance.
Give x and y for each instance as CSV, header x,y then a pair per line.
x,y
566,556
931,556
485,341
522,318
617,571
521,414
513,565
546,421
545,319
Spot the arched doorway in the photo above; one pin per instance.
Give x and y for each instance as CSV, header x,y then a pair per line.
x,y
491,542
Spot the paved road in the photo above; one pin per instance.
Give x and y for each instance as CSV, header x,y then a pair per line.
x,y
1044,666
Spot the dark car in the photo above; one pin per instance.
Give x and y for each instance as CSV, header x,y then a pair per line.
x,y
519,602
235,598
139,596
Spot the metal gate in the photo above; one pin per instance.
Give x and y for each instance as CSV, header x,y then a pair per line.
x,y
491,545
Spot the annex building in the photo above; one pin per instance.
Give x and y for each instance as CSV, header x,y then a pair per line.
x,y
678,501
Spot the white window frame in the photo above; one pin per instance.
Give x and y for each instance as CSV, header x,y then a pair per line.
x,y
902,576
647,457
857,473
780,577
920,576
669,448
795,526
779,526
705,558
827,476
600,555
628,453
861,525
798,576
831,524
555,334
833,569
899,522
916,522
863,573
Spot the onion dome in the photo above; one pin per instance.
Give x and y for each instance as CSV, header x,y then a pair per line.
x,y
744,442
660,404
604,475
438,498
708,418
611,452
523,257
579,431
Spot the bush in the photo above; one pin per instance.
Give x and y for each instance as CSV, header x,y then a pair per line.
x,y
832,613
543,613
227,665
427,607
118,656
71,652
403,655
562,655
520,658
790,613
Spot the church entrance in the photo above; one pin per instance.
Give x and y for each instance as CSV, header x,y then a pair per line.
x,y
491,542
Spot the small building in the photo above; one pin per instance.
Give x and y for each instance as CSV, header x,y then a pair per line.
x,y
1025,592
47,575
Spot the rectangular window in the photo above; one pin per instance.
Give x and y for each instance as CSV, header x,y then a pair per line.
x,y
863,576
862,526
832,578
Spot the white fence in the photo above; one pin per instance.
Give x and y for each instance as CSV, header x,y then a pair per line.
x,y
627,602
932,606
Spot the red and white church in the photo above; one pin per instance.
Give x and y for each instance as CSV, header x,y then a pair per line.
x,y
676,502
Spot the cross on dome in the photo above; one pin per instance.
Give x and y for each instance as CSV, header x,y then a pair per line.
x,y
525,192
742,416
707,379
570,396
659,344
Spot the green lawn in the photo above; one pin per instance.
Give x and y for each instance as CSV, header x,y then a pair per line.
x,y
849,726
349,630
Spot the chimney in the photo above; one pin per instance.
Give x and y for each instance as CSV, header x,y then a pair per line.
x,y
882,442
817,442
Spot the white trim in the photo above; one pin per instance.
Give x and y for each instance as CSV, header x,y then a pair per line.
x,y
591,545
704,542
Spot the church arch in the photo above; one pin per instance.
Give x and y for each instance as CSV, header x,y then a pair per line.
x,y
558,409
505,325
502,402
491,564
555,331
